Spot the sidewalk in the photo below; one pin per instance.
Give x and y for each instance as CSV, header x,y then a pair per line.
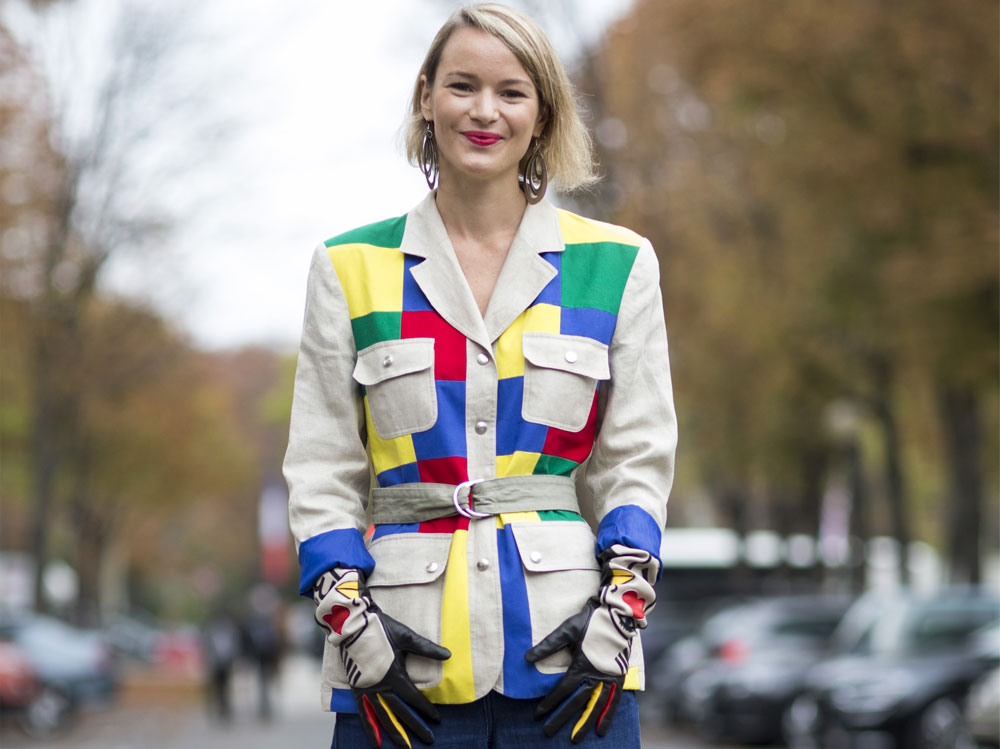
x,y
172,715
165,714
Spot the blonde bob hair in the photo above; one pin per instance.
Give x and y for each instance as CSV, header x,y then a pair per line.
x,y
565,142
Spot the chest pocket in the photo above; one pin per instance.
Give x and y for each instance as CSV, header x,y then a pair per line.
x,y
561,373
399,383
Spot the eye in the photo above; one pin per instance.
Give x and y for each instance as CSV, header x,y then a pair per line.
x,y
460,86
514,94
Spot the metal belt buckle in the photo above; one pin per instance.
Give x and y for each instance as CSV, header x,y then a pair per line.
x,y
467,511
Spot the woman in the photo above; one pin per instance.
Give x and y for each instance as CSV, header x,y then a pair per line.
x,y
474,379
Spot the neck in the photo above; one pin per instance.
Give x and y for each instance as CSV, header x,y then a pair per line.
x,y
471,208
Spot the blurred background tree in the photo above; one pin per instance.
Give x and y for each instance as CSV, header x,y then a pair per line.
x,y
120,438
821,184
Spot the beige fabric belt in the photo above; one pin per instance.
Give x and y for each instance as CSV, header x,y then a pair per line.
x,y
416,502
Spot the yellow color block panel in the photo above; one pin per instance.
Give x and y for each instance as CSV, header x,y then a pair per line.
x,y
388,454
579,230
505,518
457,684
518,464
541,318
372,277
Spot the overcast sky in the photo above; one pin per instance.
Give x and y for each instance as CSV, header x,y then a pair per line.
x,y
315,92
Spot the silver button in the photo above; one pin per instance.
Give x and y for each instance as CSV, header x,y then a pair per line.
x,y
483,359
571,356
535,557
387,361
432,567
483,564
481,427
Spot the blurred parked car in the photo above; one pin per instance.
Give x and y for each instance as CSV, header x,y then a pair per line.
x,y
901,678
982,709
178,652
132,638
37,708
982,712
75,663
754,658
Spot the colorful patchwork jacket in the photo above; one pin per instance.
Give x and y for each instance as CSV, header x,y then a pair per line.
x,y
401,379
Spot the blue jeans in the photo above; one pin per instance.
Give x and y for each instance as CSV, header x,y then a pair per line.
x,y
498,722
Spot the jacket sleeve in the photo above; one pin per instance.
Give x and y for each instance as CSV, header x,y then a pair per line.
x,y
631,468
326,464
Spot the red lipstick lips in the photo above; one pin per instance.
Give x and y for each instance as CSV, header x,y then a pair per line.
x,y
482,139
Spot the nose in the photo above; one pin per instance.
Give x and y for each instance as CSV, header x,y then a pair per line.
x,y
484,107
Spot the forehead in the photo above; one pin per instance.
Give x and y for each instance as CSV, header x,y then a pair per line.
x,y
473,51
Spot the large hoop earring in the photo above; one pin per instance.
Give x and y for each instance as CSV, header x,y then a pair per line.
x,y
429,157
534,178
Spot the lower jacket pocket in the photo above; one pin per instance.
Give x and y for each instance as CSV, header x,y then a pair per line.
x,y
560,574
407,584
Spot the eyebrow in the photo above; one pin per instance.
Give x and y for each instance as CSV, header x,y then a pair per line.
x,y
506,82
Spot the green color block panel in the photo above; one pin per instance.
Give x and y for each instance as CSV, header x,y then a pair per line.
x,y
594,275
550,465
376,327
544,515
388,233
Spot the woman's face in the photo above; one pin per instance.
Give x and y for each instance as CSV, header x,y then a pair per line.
x,y
484,107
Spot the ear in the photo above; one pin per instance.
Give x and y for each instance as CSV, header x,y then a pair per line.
x,y
425,99
541,122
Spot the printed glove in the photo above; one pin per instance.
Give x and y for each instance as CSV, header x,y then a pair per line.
x,y
600,640
373,647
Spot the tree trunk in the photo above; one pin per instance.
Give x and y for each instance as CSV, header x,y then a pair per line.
x,y
859,521
45,459
964,521
89,537
895,489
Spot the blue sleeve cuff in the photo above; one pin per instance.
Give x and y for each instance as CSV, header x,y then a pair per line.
x,y
342,701
632,526
340,548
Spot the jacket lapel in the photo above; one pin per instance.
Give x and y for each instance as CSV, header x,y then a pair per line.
x,y
440,276
522,278
524,273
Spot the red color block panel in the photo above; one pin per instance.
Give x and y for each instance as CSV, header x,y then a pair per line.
x,y
444,525
449,344
443,470
574,446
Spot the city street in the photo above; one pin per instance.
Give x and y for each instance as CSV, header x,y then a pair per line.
x,y
144,719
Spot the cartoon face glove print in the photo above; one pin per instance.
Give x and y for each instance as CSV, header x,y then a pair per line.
x,y
600,640
373,647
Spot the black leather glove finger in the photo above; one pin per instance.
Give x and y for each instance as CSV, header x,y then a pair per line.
x,y
594,701
373,647
393,703
584,690
386,713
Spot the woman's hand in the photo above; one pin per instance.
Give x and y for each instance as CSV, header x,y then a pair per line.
x,y
600,640
373,647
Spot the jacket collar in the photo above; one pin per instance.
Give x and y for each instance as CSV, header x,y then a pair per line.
x,y
522,278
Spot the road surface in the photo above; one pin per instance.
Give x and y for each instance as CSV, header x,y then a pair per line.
x,y
145,720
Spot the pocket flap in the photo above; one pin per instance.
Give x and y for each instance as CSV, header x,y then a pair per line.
x,y
555,545
570,353
388,359
409,558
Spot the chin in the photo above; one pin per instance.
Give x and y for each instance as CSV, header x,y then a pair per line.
x,y
484,173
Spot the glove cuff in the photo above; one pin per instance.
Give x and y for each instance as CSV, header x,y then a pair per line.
x,y
626,583
343,603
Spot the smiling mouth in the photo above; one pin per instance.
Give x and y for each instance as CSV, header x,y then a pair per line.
x,y
482,139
